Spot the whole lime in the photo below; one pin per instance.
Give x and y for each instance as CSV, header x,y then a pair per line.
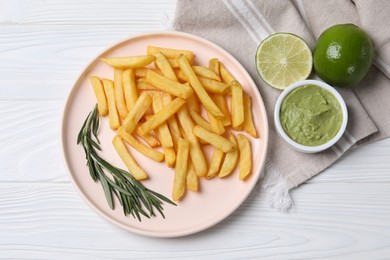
x,y
343,55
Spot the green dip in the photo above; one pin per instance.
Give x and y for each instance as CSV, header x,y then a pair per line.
x,y
311,115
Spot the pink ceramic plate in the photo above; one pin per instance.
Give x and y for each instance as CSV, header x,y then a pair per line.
x,y
197,211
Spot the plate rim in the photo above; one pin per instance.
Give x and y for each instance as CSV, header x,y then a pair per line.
x,y
65,159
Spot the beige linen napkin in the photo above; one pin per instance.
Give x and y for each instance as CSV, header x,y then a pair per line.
x,y
239,26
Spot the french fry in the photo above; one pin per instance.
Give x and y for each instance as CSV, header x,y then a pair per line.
x,y
140,147
142,84
206,73
100,95
112,112
214,139
214,65
179,181
225,74
173,63
192,178
197,86
129,62
199,120
143,103
167,85
129,88
140,72
172,123
230,161
220,101
170,53
245,164
148,138
248,125
215,164
163,64
237,104
164,134
213,86
119,94
193,104
162,116
216,124
210,85
134,169
179,74
196,152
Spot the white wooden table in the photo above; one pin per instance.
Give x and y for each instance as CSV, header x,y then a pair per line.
x,y
343,213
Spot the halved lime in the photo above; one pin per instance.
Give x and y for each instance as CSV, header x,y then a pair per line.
x,y
283,59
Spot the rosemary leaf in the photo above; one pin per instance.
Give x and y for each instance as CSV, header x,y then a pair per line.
x,y
133,196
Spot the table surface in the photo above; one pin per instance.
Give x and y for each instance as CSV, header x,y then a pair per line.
x,y
342,213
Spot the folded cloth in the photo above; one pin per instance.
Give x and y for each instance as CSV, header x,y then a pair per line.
x,y
240,25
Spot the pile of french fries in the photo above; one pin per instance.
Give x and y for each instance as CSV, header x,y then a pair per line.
x,y
159,99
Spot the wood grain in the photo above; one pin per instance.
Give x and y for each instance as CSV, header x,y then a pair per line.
x,y
51,221
106,13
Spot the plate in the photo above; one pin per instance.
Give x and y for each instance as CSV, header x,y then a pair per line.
x,y
217,198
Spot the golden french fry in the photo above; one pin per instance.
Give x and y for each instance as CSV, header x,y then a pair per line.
x,y
214,65
199,120
180,76
225,74
129,88
167,85
163,130
193,104
142,84
140,147
172,123
170,53
215,164
134,169
196,152
214,139
210,85
215,124
197,86
143,103
148,138
237,104
230,161
112,112
100,95
192,178
245,156
220,101
206,73
179,181
129,62
163,64
119,94
162,116
214,86
140,72
248,125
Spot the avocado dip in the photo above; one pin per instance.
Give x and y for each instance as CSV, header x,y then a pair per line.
x,y
311,115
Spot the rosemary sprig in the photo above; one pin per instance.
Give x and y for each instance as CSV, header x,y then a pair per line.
x,y
134,197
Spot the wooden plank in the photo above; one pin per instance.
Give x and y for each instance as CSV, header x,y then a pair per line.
x,y
84,12
51,221
29,141
43,62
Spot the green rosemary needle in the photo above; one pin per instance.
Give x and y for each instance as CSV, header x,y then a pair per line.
x,y
134,197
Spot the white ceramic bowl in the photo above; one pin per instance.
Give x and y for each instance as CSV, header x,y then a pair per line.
x,y
292,143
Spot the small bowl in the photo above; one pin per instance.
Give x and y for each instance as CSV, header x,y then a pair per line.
x,y
297,146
